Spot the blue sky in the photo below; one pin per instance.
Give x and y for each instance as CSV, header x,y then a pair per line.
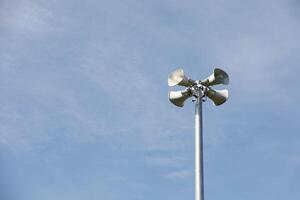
x,y
84,108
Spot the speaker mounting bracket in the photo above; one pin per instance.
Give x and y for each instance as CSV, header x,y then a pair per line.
x,y
199,90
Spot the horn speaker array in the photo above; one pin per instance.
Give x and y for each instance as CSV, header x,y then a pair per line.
x,y
179,78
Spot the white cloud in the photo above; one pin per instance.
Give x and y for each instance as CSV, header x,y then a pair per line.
x,y
117,72
170,161
28,17
177,175
256,55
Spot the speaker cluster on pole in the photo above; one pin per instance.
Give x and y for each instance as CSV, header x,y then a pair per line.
x,y
193,87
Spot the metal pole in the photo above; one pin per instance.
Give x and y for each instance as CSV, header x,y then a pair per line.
x,y
199,184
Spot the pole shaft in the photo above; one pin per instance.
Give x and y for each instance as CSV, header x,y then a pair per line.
x,y
199,184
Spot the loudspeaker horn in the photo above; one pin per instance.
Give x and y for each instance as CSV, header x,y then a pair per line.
x,y
218,77
178,78
178,97
218,96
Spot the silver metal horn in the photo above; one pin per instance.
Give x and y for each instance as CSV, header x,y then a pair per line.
x,y
178,97
177,77
218,96
218,77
